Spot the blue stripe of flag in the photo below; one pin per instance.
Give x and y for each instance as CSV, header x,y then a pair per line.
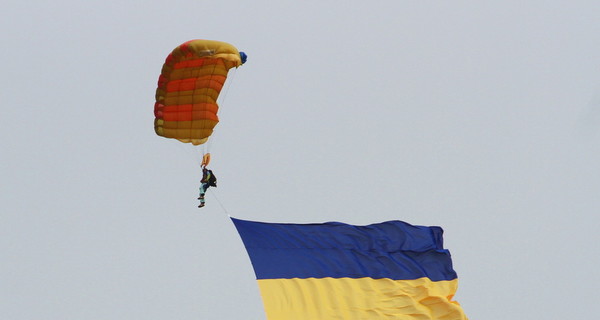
x,y
392,249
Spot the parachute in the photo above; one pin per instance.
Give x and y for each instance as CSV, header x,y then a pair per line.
x,y
188,87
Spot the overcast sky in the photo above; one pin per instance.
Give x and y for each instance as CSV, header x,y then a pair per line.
x,y
481,117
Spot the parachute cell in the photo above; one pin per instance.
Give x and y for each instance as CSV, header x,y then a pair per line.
x,y
188,87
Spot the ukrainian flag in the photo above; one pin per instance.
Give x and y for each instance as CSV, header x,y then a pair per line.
x,y
389,270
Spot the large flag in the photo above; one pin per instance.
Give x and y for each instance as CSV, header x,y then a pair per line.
x,y
323,271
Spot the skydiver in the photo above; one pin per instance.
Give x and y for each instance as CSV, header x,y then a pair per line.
x,y
208,180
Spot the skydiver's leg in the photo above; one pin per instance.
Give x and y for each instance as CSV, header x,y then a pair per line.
x,y
201,197
203,188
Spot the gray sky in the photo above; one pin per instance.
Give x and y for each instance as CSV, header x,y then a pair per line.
x,y
478,116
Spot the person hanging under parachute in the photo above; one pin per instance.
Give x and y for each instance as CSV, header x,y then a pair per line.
x,y
188,87
208,180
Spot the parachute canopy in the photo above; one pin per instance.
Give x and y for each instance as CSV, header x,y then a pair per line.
x,y
389,270
188,87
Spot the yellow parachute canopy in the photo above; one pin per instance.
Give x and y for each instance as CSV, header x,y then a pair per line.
x,y
188,87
